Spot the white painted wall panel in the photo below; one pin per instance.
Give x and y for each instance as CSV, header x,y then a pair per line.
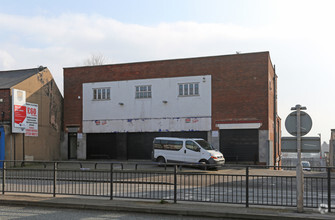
x,y
140,115
147,125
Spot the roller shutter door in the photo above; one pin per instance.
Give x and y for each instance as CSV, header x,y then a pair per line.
x,y
239,145
101,146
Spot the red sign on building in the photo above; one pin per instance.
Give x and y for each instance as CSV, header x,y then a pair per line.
x,y
19,115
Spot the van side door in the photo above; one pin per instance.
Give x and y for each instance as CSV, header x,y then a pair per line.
x,y
192,152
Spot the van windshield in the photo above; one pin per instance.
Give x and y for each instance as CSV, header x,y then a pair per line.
x,y
204,144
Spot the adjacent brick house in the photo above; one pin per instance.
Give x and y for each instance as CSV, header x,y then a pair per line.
x,y
41,90
115,111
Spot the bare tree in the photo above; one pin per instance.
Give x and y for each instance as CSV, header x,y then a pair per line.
x,y
95,60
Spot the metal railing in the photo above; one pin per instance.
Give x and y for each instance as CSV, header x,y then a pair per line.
x,y
247,185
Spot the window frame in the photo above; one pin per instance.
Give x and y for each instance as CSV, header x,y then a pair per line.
x,y
188,89
101,94
143,92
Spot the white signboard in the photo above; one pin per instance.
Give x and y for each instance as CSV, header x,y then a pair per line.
x,y
32,119
18,111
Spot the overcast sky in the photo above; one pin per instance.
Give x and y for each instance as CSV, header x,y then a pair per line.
x,y
298,34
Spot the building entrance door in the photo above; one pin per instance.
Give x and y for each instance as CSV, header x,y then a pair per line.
x,y
72,143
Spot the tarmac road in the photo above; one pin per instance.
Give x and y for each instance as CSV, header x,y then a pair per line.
x,y
67,207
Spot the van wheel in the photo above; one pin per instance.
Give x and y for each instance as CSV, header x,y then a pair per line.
x,y
203,163
161,160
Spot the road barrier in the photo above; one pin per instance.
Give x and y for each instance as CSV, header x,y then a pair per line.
x,y
246,185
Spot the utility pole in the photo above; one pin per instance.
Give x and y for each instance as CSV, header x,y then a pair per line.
x,y
331,148
299,173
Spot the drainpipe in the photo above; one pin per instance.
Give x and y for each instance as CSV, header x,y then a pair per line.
x,y
14,134
275,114
23,148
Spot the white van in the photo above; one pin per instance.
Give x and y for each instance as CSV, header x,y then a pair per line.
x,y
185,150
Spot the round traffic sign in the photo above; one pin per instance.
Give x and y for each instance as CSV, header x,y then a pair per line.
x,y
305,123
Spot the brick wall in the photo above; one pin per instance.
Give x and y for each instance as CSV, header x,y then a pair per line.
x,y
41,89
240,84
5,105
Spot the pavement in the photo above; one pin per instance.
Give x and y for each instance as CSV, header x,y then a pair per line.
x,y
198,209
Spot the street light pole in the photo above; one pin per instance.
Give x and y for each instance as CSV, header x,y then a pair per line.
x,y
321,156
299,173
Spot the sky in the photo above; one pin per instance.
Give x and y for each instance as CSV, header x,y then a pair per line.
x,y
299,34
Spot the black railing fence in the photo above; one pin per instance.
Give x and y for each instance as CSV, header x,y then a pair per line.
x,y
247,185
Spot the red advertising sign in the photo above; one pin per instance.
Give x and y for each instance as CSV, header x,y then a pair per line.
x,y
19,115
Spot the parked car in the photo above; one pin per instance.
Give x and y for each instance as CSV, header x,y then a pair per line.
x,y
186,150
306,165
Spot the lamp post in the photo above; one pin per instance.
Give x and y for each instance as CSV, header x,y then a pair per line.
x,y
320,145
299,173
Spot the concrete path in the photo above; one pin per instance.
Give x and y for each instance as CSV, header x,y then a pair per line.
x,y
148,206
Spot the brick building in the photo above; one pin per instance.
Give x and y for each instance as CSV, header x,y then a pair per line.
x,y
115,111
40,93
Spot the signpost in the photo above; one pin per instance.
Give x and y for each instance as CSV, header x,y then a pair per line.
x,y
299,123
24,118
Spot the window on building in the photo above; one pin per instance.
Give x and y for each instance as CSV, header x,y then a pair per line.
x,y
188,89
143,92
101,94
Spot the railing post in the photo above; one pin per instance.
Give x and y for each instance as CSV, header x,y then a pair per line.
x,y
55,179
247,187
111,182
3,177
175,184
329,189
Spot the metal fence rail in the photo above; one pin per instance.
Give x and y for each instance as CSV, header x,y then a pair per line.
x,y
272,190
167,183
218,188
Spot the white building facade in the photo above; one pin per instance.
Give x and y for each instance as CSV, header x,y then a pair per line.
x,y
161,105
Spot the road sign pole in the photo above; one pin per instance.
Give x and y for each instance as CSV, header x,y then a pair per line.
x,y
300,175
298,124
